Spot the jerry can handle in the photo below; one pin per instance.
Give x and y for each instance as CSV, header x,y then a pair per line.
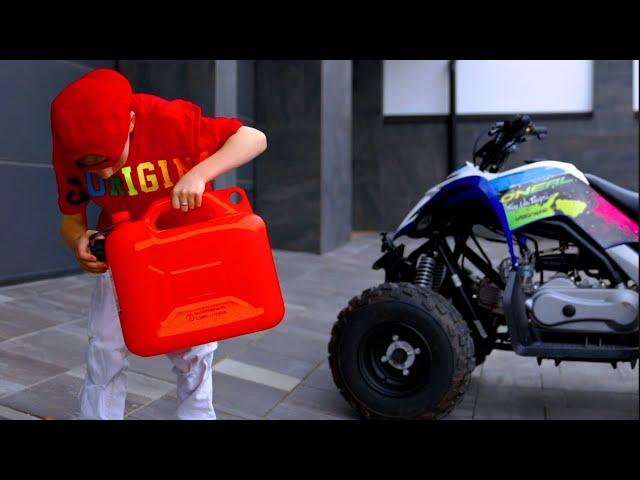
x,y
225,202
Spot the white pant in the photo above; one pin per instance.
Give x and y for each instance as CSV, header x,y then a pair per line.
x,y
105,386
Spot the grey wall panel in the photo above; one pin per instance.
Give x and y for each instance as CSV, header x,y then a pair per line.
x,y
30,240
226,88
288,174
412,157
192,80
288,92
246,90
368,128
288,187
26,90
336,214
393,162
304,177
96,63
246,114
226,105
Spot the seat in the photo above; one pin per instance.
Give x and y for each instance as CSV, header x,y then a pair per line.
x,y
625,200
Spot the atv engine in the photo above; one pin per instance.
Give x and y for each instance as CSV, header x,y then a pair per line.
x,y
560,304
564,303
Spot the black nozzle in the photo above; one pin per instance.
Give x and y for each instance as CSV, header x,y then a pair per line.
x,y
97,248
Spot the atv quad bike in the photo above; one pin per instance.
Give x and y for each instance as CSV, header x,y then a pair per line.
x,y
406,349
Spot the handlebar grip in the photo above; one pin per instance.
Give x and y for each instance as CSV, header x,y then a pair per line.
x,y
520,124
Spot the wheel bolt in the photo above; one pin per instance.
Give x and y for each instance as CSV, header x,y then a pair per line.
x,y
417,351
383,359
405,372
395,338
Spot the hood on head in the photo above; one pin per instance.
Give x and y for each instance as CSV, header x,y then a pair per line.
x,y
91,116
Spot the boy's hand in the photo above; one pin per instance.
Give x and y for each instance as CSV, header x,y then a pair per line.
x,y
86,259
187,193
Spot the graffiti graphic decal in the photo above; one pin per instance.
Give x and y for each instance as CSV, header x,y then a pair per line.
x,y
566,195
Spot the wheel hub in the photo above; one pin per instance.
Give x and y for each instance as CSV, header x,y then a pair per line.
x,y
394,359
400,354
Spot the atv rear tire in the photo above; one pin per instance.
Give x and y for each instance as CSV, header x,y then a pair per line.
x,y
369,333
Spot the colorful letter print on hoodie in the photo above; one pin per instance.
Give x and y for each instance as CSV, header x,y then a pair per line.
x,y
91,116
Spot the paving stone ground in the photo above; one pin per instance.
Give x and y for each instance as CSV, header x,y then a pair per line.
x,y
281,373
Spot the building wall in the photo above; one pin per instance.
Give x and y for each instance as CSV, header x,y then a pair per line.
x,y
288,174
246,174
235,98
30,238
192,80
396,161
393,162
336,217
304,178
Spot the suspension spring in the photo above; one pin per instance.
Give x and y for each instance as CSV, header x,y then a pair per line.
x,y
430,272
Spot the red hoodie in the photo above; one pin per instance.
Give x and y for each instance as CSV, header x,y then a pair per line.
x,y
91,116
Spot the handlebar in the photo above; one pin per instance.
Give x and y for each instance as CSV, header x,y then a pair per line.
x,y
505,138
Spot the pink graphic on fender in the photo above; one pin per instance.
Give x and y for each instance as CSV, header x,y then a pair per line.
x,y
613,218
566,196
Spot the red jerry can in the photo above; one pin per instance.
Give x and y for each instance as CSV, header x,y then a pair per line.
x,y
187,278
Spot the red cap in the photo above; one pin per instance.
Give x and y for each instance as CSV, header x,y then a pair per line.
x,y
91,116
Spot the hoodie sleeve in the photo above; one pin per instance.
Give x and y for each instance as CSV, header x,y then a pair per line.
x,y
214,132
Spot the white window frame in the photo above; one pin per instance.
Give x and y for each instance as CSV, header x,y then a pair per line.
x,y
404,94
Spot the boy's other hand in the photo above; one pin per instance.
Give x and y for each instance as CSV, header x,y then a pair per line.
x,y
187,193
86,259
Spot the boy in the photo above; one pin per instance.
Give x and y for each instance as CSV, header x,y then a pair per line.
x,y
123,151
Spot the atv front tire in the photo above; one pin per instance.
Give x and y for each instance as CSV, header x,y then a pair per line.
x,y
401,351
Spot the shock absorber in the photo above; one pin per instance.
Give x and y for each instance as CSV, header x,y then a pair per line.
x,y
430,271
